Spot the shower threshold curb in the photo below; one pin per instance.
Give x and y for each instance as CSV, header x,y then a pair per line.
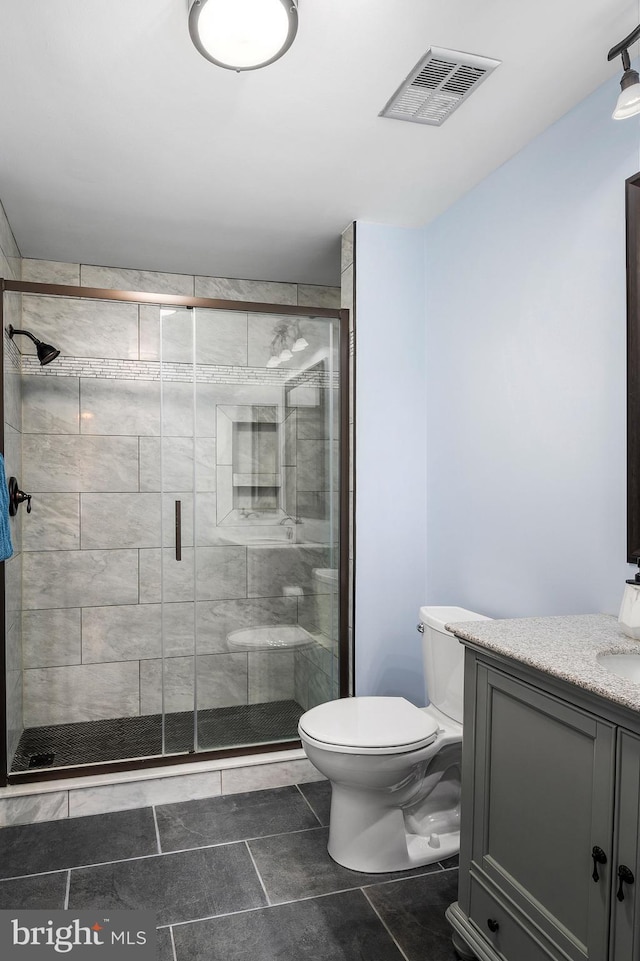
x,y
151,774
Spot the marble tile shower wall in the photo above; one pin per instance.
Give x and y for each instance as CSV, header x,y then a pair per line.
x,y
94,562
10,269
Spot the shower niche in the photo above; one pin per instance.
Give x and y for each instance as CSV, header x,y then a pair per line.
x,y
256,475
120,648
250,463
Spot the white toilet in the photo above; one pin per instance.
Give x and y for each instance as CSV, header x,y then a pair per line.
x,y
395,768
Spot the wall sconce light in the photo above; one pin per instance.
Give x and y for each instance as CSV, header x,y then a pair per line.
x,y
628,104
287,340
243,34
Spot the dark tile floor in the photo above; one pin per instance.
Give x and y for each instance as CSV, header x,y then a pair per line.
x,y
242,877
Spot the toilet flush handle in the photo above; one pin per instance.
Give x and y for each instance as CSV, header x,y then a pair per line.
x,y
420,627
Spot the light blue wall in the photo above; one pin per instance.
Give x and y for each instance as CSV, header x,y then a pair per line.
x,y
510,372
390,460
525,368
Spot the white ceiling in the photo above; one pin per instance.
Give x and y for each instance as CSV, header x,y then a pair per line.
x,y
120,145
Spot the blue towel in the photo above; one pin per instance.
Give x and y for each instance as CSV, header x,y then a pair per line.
x,y
6,547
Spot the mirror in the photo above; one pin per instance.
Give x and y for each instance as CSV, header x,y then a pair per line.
x,y
633,368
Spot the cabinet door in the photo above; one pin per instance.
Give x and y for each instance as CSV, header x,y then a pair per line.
x,y
625,914
543,789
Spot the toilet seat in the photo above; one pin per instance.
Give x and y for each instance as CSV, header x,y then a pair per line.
x,y
369,725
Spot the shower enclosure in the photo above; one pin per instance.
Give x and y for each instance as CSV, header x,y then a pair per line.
x,y
179,586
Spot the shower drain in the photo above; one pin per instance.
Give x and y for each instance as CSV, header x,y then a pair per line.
x,y
41,760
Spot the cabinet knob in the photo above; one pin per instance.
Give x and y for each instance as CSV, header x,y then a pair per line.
x,y
625,875
599,857
492,924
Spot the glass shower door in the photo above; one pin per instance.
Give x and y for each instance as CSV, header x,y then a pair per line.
x,y
181,560
180,442
267,547
248,468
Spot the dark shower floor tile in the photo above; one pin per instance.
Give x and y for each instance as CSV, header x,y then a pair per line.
x,y
39,892
318,796
413,911
114,739
53,845
176,887
232,817
340,927
298,866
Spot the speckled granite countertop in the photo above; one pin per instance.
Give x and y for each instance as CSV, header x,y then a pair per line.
x,y
564,647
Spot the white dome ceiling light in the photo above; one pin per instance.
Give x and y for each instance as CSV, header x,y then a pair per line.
x,y
628,104
243,34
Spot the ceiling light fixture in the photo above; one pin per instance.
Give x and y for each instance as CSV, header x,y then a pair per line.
x,y
628,104
243,34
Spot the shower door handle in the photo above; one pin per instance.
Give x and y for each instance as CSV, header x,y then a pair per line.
x,y
178,530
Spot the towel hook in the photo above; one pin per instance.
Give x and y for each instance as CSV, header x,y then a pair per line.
x,y
17,497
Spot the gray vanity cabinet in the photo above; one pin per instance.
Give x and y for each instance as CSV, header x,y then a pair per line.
x,y
545,783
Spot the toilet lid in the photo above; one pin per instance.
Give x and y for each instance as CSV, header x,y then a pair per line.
x,y
385,724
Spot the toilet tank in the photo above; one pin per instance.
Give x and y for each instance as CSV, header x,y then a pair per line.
x,y
443,657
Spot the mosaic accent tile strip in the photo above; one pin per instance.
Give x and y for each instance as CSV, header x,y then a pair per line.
x,y
106,368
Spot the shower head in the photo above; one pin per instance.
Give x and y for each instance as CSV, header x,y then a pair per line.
x,y
46,353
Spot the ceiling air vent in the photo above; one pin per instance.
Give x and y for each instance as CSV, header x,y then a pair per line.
x,y
439,83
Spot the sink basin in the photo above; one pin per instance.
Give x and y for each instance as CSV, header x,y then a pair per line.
x,y
624,665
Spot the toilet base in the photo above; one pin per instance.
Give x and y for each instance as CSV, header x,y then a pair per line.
x,y
393,811
363,836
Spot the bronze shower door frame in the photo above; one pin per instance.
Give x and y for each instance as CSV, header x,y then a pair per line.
x,y
174,300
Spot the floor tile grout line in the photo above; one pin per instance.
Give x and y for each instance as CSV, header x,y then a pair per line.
x,y
383,923
214,917
308,802
163,854
97,864
256,837
155,821
253,861
36,874
308,897
407,877
67,890
173,943
261,907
